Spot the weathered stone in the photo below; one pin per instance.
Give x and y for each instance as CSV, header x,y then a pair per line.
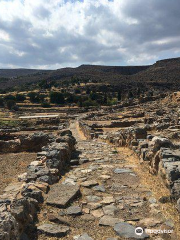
x,y
58,219
84,236
110,210
99,188
122,170
54,230
89,183
74,210
108,200
61,195
111,239
88,217
92,198
109,221
97,213
127,230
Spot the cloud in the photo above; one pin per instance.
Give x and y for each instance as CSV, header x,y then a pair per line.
x,y
59,33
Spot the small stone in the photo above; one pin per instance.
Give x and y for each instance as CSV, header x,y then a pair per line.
x,y
99,188
149,222
86,210
89,183
152,200
74,162
54,230
110,210
88,217
108,200
74,210
111,239
109,221
94,206
93,198
122,170
105,177
83,160
97,213
83,237
58,219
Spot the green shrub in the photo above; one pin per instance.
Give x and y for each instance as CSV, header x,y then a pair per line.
x,y
11,105
1,102
34,97
45,105
57,97
20,98
9,97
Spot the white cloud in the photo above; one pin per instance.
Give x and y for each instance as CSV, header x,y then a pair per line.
x,y
53,33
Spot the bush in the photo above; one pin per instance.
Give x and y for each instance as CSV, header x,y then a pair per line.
x,y
20,98
77,91
57,97
11,105
9,97
1,102
45,105
34,97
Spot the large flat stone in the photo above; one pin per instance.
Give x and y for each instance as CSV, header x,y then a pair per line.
x,y
127,230
56,230
108,221
61,195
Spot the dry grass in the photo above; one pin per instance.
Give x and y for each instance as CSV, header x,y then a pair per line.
x,y
13,164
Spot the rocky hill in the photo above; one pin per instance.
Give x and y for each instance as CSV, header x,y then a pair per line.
x,y
164,73
13,73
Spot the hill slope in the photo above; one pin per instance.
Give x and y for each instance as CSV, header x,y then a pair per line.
x,y
164,73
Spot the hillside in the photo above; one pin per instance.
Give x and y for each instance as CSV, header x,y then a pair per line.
x,y
11,73
164,73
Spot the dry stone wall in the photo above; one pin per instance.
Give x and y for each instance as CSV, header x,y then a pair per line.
x,y
20,201
163,156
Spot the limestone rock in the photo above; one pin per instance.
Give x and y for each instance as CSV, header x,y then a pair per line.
x,y
109,221
127,230
54,230
61,195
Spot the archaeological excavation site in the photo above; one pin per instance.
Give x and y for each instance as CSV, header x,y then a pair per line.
x,y
91,153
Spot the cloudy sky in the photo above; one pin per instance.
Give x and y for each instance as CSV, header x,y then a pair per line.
x,y
67,33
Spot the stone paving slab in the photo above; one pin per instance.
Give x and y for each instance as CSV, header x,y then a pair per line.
x,y
61,195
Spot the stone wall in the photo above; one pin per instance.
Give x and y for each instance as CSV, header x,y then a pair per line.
x,y
87,131
162,155
32,142
19,203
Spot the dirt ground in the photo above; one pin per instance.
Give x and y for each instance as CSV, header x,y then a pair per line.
x,y
13,164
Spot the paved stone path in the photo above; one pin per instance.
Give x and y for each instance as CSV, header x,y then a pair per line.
x,y
111,202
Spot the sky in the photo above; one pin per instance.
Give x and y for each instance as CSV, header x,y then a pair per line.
x,y
50,34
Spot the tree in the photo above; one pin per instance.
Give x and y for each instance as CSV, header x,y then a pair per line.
x,y
9,97
88,91
105,99
130,94
80,103
1,102
45,105
34,97
20,98
77,91
57,97
11,105
119,96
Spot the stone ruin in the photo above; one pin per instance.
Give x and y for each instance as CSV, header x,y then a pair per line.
x,y
20,202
